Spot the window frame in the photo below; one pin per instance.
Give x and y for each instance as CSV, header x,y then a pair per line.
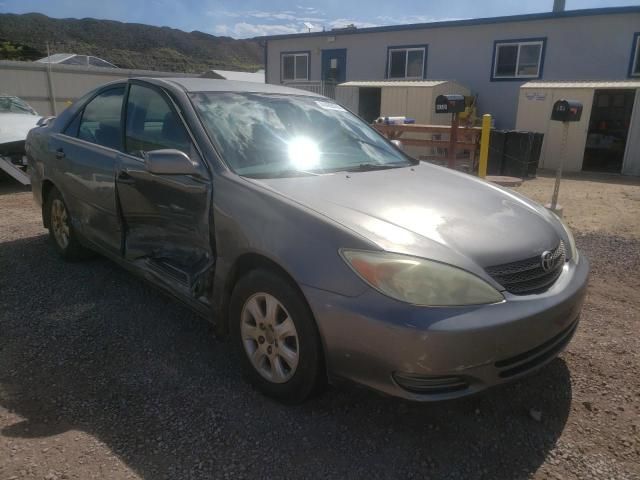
x,y
634,62
83,102
173,105
407,48
80,115
519,42
295,55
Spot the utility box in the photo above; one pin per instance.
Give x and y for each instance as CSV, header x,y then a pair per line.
x,y
392,98
451,103
566,111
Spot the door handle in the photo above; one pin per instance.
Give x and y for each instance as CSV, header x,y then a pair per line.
x,y
60,153
124,177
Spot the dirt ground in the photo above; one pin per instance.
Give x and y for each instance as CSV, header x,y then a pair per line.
x,y
102,376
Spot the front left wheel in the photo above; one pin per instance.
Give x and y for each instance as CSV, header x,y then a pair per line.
x,y
276,337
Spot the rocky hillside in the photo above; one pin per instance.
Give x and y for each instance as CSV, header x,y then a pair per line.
x,y
127,45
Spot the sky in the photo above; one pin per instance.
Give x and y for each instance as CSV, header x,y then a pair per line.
x,y
250,18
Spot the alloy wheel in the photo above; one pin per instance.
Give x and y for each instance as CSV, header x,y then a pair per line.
x,y
269,338
59,223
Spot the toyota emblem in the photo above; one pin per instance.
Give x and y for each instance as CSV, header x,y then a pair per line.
x,y
547,261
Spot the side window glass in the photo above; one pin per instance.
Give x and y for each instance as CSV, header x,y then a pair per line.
x,y
100,122
152,124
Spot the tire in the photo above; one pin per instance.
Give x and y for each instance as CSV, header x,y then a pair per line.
x,y
61,232
274,370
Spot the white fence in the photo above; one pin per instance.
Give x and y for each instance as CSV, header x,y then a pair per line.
x,y
328,89
32,82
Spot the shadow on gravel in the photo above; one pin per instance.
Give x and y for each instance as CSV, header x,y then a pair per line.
x,y
88,346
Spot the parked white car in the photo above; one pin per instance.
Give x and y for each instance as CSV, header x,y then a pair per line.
x,y
17,117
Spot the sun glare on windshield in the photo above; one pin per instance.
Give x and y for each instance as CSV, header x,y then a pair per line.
x,y
303,153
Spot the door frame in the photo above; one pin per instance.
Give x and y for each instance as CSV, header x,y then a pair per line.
x,y
185,290
325,56
628,138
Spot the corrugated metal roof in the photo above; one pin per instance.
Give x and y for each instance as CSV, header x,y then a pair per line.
x,y
394,83
75,59
56,58
585,84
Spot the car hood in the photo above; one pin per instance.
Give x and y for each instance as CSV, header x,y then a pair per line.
x,y
429,211
15,126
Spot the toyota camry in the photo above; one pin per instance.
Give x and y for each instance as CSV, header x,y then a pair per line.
x,y
318,247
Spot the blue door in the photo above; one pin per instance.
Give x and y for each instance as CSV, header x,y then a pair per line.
x,y
334,65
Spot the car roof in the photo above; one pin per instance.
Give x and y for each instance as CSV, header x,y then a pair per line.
x,y
212,85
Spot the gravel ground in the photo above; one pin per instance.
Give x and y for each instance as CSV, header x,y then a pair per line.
x,y
595,203
102,376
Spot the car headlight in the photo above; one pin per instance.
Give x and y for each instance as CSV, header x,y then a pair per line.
x,y
573,250
419,281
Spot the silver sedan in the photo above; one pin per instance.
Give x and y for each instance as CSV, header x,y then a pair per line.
x,y
319,248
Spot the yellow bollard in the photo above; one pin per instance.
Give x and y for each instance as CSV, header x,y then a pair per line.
x,y
484,145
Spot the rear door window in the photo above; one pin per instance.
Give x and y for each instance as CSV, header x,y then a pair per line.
x,y
100,121
152,124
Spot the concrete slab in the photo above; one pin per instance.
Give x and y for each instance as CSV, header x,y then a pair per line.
x,y
504,181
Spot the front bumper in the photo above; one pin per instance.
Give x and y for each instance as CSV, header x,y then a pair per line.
x,y
436,353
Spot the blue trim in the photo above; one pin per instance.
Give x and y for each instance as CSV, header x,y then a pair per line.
x,y
400,47
635,51
329,51
462,23
308,52
518,40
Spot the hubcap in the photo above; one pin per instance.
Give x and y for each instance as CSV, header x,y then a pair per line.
x,y
269,337
59,223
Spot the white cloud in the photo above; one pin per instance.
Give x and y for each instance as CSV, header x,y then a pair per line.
x,y
343,22
404,19
245,30
254,23
288,15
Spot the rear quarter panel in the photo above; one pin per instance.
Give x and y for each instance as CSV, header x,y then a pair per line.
x,y
36,150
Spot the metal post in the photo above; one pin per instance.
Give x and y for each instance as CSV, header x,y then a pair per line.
x,y
484,145
453,140
563,154
52,95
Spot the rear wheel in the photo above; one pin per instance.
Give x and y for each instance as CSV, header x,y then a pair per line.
x,y
61,230
276,337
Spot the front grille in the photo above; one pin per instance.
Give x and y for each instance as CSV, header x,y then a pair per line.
x,y
527,276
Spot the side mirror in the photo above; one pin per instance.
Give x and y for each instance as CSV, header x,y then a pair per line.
x,y
398,145
44,121
169,162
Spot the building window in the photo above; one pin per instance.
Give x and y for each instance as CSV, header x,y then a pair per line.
x,y
634,70
407,62
295,66
518,59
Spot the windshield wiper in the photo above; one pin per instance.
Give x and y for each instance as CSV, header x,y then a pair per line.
x,y
368,167
290,172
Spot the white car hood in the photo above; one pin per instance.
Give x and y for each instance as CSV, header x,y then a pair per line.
x,y
15,126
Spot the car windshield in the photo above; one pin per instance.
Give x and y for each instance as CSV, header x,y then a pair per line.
x,y
266,135
15,105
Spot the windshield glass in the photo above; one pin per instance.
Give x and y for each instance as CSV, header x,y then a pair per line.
x,y
15,105
265,135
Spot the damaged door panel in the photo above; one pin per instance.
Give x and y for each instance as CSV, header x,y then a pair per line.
x,y
165,215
